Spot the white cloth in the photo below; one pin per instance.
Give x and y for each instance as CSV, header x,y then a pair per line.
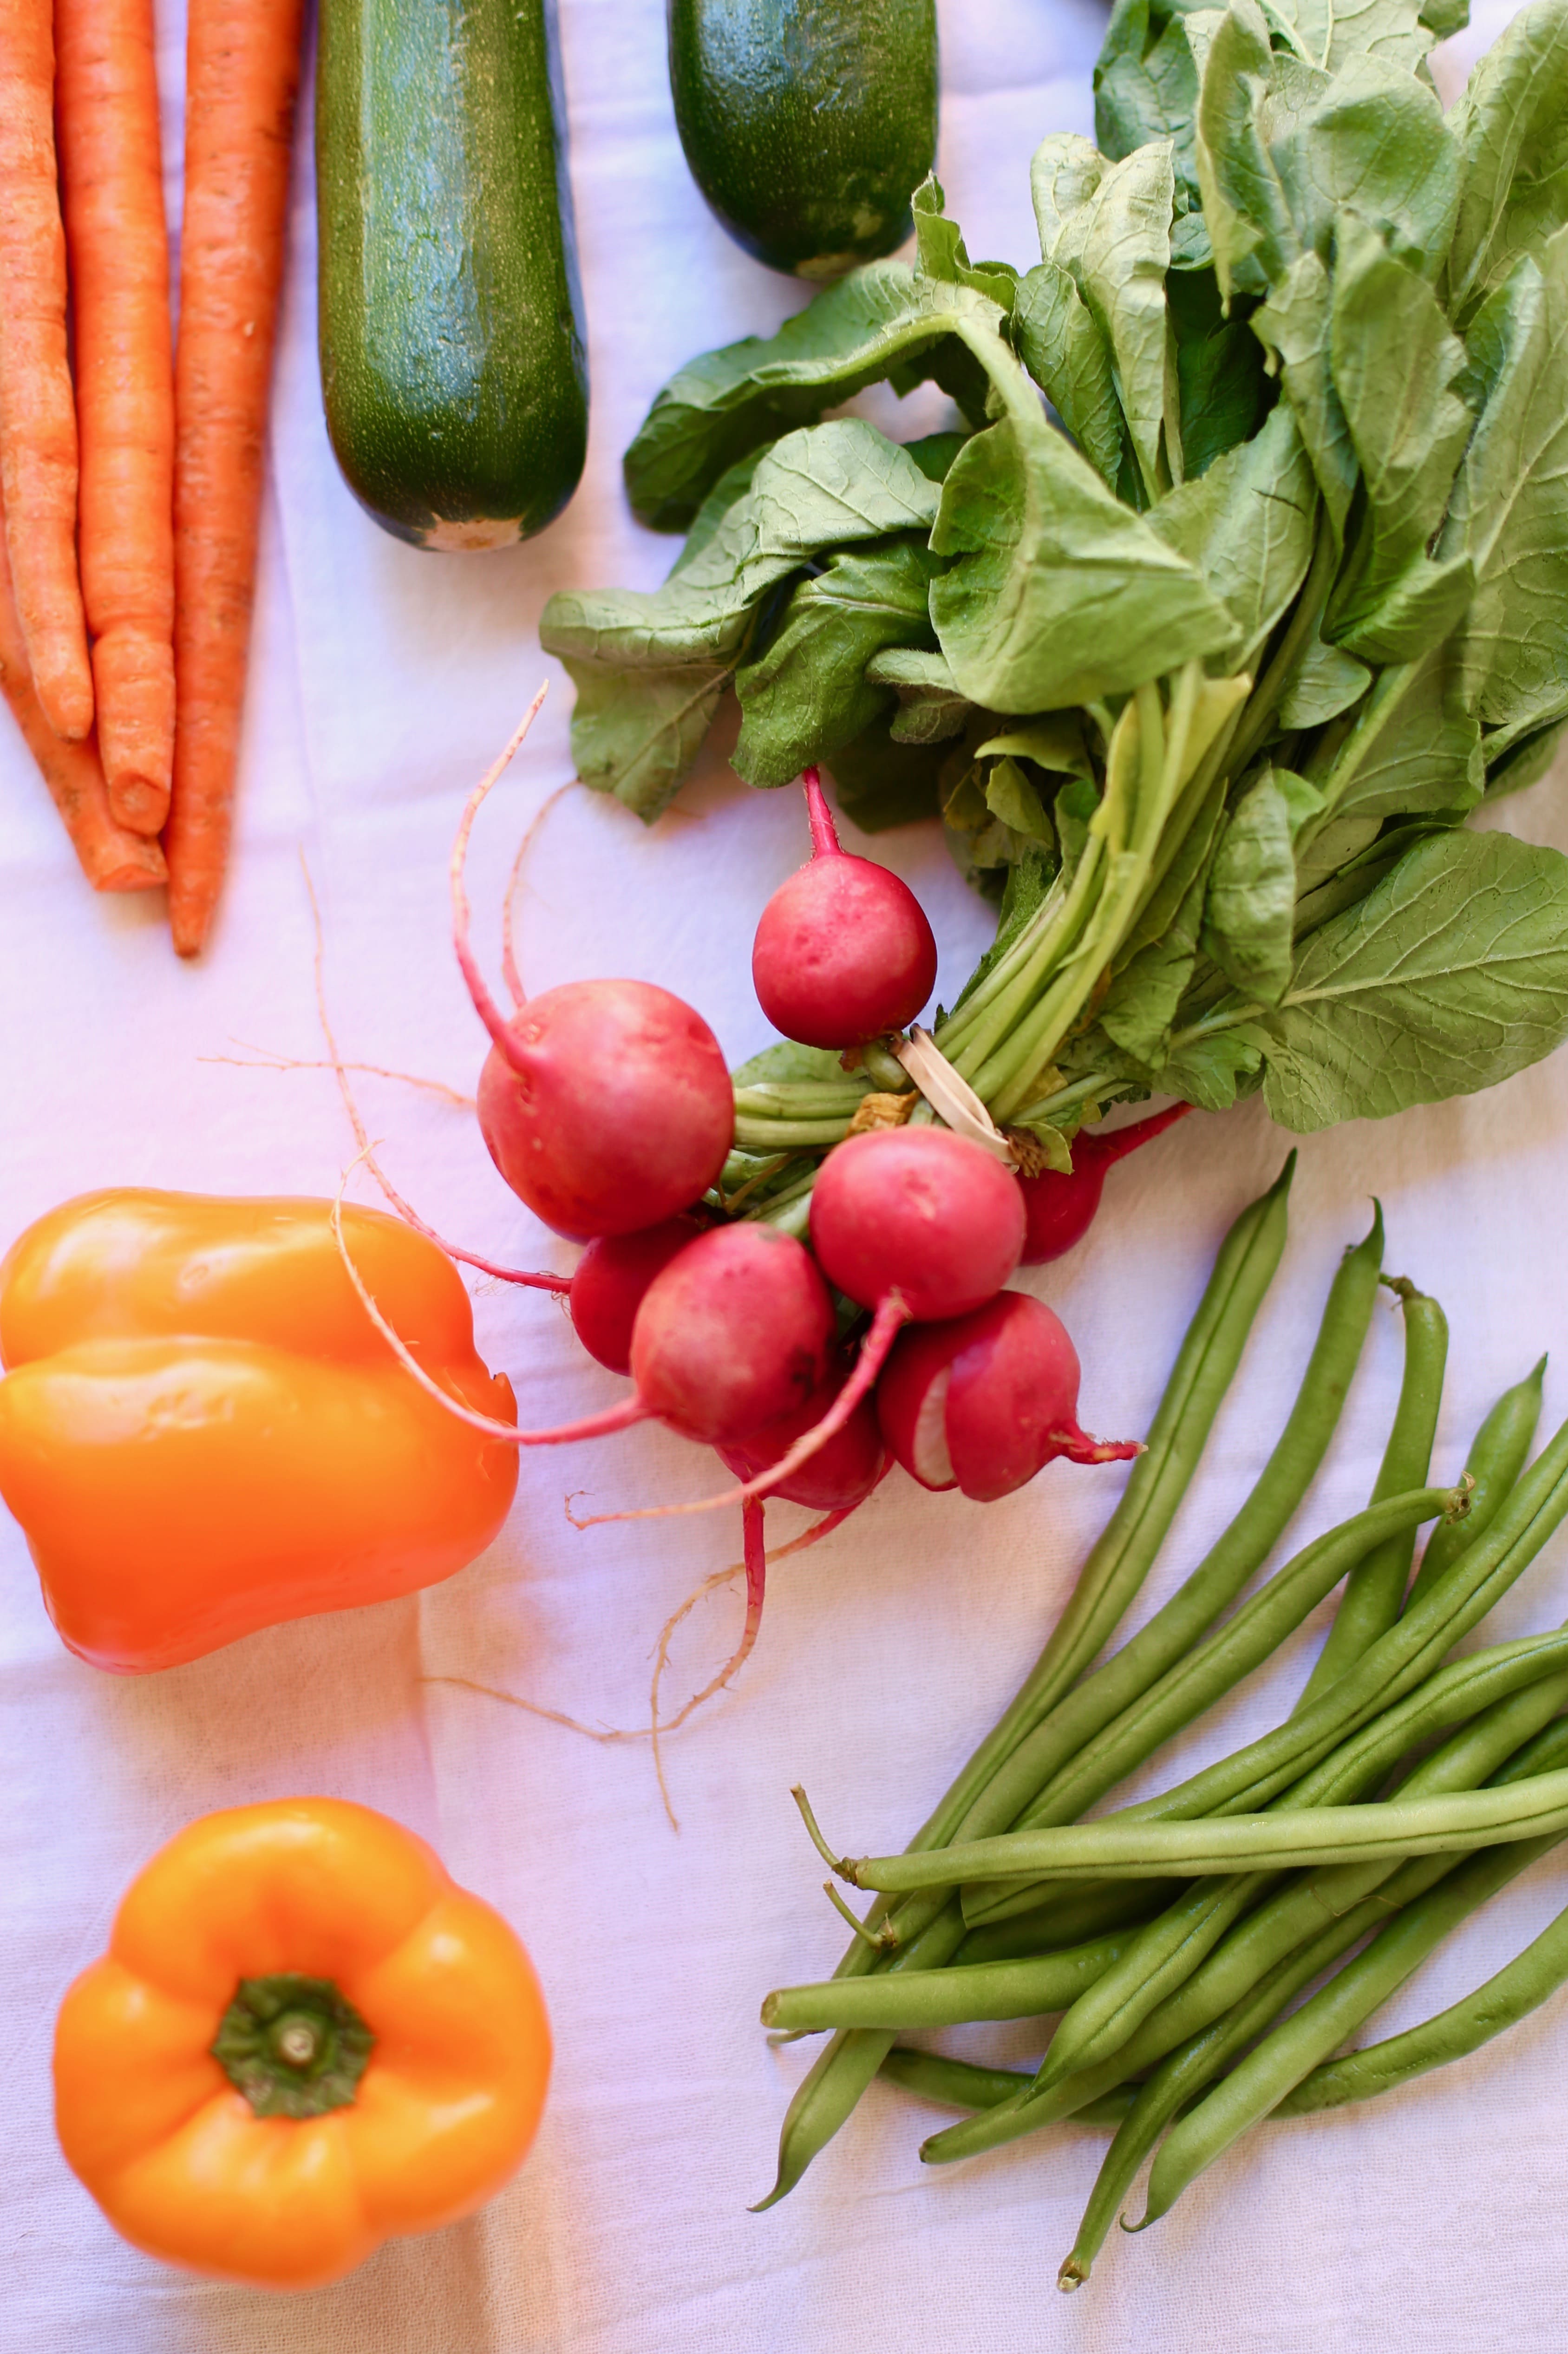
x,y
382,681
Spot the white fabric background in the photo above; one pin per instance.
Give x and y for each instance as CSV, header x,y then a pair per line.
x,y
381,681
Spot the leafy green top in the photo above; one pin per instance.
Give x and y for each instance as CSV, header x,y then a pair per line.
x,y
1203,657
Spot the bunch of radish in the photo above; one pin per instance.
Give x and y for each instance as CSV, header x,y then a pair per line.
x,y
608,1109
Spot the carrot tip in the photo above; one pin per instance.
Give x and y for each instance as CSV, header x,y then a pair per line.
x,y
138,804
67,704
129,877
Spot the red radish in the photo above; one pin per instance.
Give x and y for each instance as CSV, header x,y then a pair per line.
x,y
918,1211
1061,1208
736,1331
916,1222
843,952
839,1476
611,1277
986,1401
606,1104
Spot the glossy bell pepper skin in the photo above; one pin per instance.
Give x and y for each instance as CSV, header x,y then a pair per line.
x,y
442,2115
202,1433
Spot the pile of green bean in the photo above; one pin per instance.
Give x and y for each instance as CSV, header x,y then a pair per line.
x,y
1173,1938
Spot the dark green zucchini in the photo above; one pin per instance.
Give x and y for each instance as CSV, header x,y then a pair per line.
x,y
451,347
807,123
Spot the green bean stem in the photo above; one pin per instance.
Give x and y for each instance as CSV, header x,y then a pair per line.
x,y
1295,2047
1501,1448
1375,1587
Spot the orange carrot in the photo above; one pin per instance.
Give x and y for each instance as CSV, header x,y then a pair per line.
x,y
111,859
112,184
38,413
241,70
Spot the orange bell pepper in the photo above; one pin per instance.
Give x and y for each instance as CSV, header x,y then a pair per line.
x,y
202,1432
303,2040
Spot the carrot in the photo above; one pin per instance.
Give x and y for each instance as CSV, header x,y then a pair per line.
x,y
241,70
112,184
111,859
37,414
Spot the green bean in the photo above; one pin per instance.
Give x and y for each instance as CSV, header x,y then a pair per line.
x,y
1161,1962
1496,1697
1505,1999
1193,1965
1295,2047
1396,1665
1375,1587
1226,1568
1266,1932
1182,2073
1185,2013
1125,1553
1111,1689
1269,1929
1026,2111
1403,1659
1190,1687
832,2087
946,1998
1520,1986
1110,1577
1501,1447
961,2085
1245,1640
1069,1919
1242,1844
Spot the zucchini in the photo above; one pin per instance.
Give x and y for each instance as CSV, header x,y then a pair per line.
x,y
807,123
453,370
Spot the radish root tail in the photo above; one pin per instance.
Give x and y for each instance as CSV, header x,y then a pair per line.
x,y
509,972
530,1280
484,1005
597,1426
716,1684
